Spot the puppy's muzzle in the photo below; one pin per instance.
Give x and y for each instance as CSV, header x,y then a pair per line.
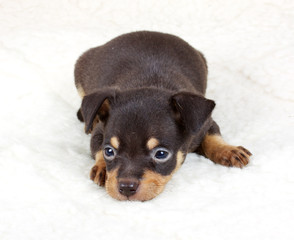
x,y
128,187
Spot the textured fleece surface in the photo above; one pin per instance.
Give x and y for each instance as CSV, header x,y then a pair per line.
x,y
45,190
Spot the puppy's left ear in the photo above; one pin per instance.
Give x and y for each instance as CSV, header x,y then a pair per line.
x,y
192,110
96,105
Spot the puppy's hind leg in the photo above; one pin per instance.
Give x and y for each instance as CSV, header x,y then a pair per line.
x,y
216,149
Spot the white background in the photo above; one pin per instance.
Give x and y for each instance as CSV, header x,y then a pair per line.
x,y
45,191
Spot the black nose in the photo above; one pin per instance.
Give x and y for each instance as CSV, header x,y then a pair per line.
x,y
128,188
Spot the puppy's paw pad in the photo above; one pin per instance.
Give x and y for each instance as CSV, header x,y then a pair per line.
x,y
233,156
98,175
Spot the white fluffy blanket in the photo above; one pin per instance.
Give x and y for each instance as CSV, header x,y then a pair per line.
x,y
45,160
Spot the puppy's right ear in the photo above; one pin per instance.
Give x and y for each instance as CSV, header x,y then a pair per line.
x,y
96,105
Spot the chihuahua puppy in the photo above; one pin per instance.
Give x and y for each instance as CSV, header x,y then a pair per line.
x,y
143,103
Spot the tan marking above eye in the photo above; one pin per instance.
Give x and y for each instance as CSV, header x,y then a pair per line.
x,y
152,143
114,142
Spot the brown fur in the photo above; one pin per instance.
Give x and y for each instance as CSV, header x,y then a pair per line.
x,y
217,150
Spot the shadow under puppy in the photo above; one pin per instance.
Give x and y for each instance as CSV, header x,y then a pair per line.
x,y
143,103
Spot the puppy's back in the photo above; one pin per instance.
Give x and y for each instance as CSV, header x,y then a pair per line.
x,y
142,59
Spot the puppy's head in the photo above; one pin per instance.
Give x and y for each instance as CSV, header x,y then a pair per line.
x,y
144,136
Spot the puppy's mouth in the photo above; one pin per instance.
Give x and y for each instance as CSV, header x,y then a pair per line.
x,y
147,188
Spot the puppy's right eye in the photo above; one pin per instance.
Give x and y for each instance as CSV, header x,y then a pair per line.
x,y
109,153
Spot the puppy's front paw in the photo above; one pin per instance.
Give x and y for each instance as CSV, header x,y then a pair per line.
x,y
232,156
98,175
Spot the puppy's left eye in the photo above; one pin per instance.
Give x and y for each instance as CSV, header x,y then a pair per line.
x,y
161,154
